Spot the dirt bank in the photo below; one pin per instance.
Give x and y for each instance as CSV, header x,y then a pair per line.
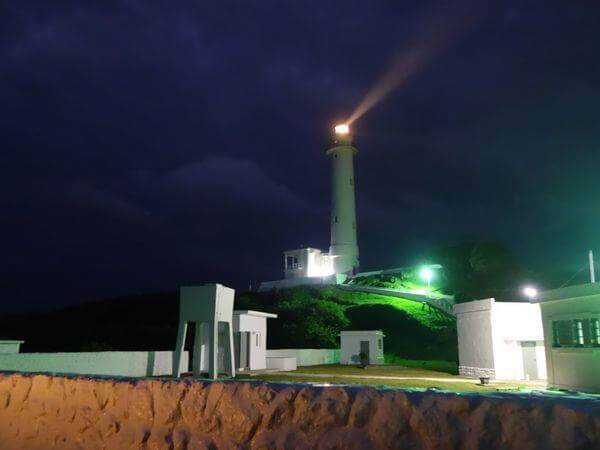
x,y
42,412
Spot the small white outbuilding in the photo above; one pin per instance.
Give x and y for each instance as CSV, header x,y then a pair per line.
x,y
571,321
250,339
500,340
10,347
353,343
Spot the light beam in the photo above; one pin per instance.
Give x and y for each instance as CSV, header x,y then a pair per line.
x,y
435,35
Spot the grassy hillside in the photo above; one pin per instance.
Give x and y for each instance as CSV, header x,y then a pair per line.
x,y
313,317
308,317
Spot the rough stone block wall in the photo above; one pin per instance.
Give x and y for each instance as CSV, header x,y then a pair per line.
x,y
46,412
476,372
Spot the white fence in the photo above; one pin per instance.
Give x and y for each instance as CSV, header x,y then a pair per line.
x,y
308,356
126,364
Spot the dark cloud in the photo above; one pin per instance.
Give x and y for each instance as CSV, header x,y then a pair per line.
x,y
150,144
235,181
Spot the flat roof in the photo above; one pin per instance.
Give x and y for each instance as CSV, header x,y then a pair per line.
x,y
569,292
250,312
485,304
302,248
361,332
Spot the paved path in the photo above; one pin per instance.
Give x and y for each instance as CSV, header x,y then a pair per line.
x,y
450,379
439,301
376,377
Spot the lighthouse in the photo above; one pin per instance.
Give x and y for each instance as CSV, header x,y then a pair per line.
x,y
343,249
309,265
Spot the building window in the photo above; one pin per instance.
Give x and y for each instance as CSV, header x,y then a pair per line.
x,y
289,262
380,344
576,333
595,332
258,339
335,219
295,262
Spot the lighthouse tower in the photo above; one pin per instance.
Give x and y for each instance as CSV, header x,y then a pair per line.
x,y
343,250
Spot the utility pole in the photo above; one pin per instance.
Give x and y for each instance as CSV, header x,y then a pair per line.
x,y
592,271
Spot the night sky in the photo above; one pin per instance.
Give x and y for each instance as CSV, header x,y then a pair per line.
x,y
150,144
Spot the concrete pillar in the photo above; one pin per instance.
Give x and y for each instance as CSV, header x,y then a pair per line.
x,y
206,306
181,332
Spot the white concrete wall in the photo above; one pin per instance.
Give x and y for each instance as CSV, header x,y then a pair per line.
x,y
307,356
302,270
350,346
257,327
512,324
490,334
475,344
571,368
10,346
127,364
281,363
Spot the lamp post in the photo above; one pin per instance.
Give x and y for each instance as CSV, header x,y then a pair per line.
x,y
530,292
426,274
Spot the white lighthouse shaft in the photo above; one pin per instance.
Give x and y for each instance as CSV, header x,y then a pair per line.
x,y
344,247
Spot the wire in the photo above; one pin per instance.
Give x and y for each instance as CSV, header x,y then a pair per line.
x,y
574,275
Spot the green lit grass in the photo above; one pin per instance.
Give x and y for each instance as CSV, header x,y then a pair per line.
x,y
436,365
409,384
313,316
416,377
425,315
383,370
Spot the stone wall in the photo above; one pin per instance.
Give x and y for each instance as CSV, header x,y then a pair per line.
x,y
45,412
476,372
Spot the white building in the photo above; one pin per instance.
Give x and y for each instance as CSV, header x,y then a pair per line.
x,y
571,321
501,340
313,266
353,343
10,347
307,262
250,339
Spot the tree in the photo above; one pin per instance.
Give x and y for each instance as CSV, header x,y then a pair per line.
x,y
478,269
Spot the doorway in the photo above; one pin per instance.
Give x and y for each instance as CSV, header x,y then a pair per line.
x,y
530,371
242,349
364,348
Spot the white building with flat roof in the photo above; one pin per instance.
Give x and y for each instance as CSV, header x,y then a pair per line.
x,y
571,322
500,340
250,339
353,343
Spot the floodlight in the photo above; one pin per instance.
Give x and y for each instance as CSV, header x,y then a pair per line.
x,y
530,292
427,274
